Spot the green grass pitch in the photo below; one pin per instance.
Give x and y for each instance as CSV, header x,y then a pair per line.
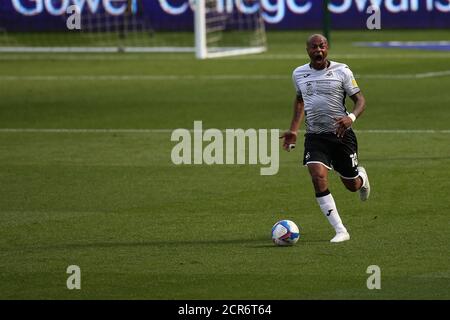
x,y
140,227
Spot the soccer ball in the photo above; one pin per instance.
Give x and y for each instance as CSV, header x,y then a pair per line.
x,y
285,233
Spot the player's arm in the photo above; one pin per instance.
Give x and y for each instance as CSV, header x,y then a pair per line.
x,y
344,123
290,136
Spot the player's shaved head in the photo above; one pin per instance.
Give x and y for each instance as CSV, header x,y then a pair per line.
x,y
315,37
317,48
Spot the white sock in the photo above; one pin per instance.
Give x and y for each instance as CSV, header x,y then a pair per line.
x,y
363,177
328,207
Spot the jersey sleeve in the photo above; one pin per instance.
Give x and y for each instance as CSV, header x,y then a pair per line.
x,y
296,86
350,85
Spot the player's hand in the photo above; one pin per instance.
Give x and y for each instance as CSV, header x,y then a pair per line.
x,y
342,124
290,138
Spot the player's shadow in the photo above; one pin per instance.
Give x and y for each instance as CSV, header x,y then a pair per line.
x,y
255,243
155,243
269,244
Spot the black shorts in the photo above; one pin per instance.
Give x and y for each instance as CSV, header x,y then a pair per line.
x,y
340,154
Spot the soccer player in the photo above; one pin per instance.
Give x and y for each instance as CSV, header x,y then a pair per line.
x,y
330,142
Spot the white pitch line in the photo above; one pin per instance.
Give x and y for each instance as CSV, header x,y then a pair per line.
x,y
31,130
350,56
142,57
142,77
219,77
406,76
402,131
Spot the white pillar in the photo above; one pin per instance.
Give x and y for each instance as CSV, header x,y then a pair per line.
x,y
200,29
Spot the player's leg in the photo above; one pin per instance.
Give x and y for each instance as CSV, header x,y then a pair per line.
x,y
319,176
325,200
360,183
345,161
352,184
318,159
364,191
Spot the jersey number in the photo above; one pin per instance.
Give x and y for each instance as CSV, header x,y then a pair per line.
x,y
354,158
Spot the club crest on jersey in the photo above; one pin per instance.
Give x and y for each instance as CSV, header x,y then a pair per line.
x,y
329,74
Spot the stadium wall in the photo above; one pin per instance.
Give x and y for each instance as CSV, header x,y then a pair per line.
x,y
278,14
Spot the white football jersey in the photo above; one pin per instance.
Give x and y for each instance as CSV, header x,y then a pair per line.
x,y
324,92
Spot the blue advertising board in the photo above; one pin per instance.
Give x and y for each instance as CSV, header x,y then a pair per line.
x,y
278,14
